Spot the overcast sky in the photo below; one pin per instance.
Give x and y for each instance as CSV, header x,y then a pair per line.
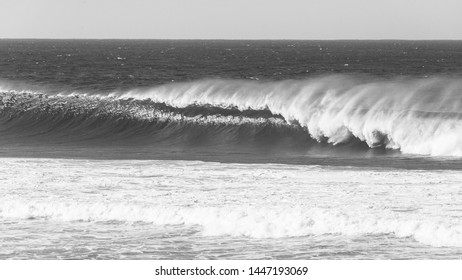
x,y
232,19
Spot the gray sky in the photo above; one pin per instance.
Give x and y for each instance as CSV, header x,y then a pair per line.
x,y
232,19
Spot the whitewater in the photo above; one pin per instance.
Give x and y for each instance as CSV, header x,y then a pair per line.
x,y
191,209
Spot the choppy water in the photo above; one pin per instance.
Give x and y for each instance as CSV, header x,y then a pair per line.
x,y
230,149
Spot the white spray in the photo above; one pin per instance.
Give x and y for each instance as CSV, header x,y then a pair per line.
x,y
417,116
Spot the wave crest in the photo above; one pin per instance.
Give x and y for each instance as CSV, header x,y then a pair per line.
x,y
415,116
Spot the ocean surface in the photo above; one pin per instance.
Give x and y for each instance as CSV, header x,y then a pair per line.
x,y
172,149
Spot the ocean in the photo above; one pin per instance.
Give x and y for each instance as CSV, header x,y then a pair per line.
x,y
221,149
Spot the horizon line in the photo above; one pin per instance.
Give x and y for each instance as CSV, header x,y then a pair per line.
x,y
225,39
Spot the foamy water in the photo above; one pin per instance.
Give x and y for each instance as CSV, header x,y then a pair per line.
x,y
57,208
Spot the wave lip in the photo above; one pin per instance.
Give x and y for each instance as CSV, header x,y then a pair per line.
x,y
253,222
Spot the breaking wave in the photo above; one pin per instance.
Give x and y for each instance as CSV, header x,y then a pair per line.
x,y
414,116
254,222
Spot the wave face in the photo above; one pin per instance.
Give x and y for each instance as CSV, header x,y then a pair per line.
x,y
414,116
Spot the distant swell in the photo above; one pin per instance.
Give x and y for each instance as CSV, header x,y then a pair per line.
x,y
415,116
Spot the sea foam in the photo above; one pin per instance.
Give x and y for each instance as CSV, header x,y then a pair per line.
x,y
253,222
240,200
